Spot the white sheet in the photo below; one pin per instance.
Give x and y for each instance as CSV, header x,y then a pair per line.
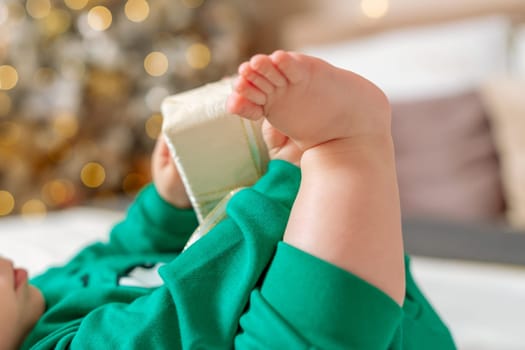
x,y
483,304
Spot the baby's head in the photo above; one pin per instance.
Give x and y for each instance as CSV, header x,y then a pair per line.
x,y
21,305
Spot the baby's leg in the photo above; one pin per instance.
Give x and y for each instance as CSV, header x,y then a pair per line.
x,y
347,209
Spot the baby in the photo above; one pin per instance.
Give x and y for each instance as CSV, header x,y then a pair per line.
x,y
311,256
341,123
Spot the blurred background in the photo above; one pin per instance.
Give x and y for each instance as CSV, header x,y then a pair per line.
x,y
81,83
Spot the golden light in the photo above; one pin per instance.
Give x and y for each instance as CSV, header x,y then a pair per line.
x,y
9,133
7,203
153,125
192,4
132,183
374,8
34,209
198,56
156,63
136,10
76,4
57,22
5,104
38,8
107,84
8,77
58,192
99,18
93,175
65,124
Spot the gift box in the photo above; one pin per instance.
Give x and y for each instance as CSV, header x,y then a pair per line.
x,y
215,152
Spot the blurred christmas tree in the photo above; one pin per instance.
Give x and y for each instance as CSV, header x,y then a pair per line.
x,y
81,82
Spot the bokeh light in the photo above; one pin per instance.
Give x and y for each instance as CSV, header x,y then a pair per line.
x,y
198,56
38,8
153,125
156,63
76,4
8,77
5,104
99,18
58,192
93,175
34,209
136,10
192,4
80,72
374,8
65,124
7,203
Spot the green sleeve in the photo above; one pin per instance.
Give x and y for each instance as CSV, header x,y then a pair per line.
x,y
151,226
206,288
306,303
223,281
422,326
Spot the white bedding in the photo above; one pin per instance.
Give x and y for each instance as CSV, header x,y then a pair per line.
x,y
483,304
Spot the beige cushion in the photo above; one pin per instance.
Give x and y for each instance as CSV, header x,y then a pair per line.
x,y
446,161
505,100
427,61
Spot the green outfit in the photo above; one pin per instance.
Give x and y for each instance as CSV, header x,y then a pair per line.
x,y
238,287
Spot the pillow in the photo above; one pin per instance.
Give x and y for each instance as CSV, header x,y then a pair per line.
x,y
446,161
505,102
426,61
518,57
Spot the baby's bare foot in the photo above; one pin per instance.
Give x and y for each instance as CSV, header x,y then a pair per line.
x,y
308,99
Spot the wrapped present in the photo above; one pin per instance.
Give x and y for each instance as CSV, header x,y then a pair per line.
x,y
215,152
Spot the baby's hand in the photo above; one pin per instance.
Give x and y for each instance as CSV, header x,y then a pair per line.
x,y
166,176
279,145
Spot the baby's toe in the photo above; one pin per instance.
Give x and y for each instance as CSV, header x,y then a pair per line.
x,y
263,65
238,104
289,65
249,91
